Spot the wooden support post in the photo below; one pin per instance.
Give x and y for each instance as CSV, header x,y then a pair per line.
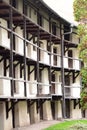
x,y
37,104
7,107
50,61
62,75
11,49
38,78
24,35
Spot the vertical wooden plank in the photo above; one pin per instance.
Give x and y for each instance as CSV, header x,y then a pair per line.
x,y
62,74
38,78
11,48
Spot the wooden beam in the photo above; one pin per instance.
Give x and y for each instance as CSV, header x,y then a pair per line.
x,y
11,49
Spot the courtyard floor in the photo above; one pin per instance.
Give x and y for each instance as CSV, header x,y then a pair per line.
x,y
39,126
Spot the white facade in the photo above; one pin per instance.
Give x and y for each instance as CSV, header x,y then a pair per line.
x,y
31,76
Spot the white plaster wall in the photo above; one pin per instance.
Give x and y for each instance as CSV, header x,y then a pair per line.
x,y
8,122
33,15
17,71
58,57
75,90
2,116
45,80
34,55
42,52
28,89
35,117
28,11
5,124
76,63
65,61
58,89
21,115
31,53
2,69
45,57
29,50
75,113
58,29
47,114
4,40
19,42
20,6
19,88
33,88
5,87
78,80
7,1
19,84
52,55
27,84
58,110
46,25
75,38
33,85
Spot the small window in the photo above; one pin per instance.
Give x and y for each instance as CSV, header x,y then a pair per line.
x,y
67,80
14,3
25,9
30,12
55,56
53,77
66,29
54,28
40,20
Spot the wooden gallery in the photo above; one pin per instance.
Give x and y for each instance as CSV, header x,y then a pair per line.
x,y
39,65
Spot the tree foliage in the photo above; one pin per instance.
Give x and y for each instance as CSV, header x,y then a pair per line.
x,y
80,10
80,13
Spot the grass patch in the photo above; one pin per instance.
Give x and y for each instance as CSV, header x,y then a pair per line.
x,y
70,125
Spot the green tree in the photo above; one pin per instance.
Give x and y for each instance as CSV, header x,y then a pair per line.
x,y
80,13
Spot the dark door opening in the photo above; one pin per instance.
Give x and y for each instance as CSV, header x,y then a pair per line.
x,y
66,29
53,109
67,109
41,110
67,83
54,28
70,60
13,114
55,56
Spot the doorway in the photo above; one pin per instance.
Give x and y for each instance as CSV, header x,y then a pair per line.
x,y
70,60
53,109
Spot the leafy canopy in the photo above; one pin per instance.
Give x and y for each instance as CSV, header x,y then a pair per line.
x,y
80,10
80,13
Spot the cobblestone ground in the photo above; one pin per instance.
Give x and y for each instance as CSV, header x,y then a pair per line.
x,y
39,126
